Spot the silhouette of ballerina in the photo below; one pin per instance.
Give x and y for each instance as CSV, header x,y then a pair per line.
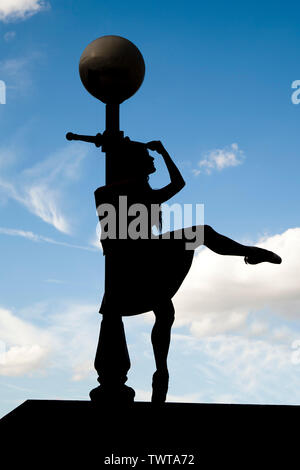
x,y
145,271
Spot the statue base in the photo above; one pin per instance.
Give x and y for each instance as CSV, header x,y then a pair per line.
x,y
64,433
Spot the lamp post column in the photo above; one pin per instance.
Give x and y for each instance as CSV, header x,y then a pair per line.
x,y
112,359
111,69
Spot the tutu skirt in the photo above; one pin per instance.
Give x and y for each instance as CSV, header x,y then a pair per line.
x,y
142,274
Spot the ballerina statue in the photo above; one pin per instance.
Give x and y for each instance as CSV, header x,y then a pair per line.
x,y
145,269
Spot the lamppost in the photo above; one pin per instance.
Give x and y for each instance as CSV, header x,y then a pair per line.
x,y
111,69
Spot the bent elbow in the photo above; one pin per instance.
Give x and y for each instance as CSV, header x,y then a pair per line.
x,y
182,184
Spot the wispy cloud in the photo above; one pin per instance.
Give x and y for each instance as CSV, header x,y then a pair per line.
x,y
18,72
235,368
12,10
40,188
9,36
39,238
95,239
218,159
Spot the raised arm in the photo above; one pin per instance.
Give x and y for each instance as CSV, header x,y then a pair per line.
x,y
177,182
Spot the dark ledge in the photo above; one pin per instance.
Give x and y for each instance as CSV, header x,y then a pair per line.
x,y
77,431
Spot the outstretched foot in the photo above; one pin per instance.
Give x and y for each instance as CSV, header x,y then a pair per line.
x,y
259,255
160,382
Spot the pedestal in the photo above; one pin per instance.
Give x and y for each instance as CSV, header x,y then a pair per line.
x,y
65,433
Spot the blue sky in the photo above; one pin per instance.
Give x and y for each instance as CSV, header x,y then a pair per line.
x,y
217,92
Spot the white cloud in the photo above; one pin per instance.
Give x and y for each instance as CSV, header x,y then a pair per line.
x,y
66,339
11,10
218,159
19,360
40,188
27,346
220,292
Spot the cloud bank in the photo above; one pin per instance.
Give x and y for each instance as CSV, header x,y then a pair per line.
x,y
220,292
66,337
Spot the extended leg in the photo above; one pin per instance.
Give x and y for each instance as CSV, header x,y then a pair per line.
x,y
206,235
160,337
223,245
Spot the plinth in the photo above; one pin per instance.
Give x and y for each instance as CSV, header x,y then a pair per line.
x,y
55,432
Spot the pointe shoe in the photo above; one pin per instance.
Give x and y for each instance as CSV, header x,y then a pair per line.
x,y
261,255
160,382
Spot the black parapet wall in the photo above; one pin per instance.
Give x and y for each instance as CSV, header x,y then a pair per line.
x,y
62,434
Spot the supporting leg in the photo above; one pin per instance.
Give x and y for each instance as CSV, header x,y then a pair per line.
x,y
160,337
112,362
